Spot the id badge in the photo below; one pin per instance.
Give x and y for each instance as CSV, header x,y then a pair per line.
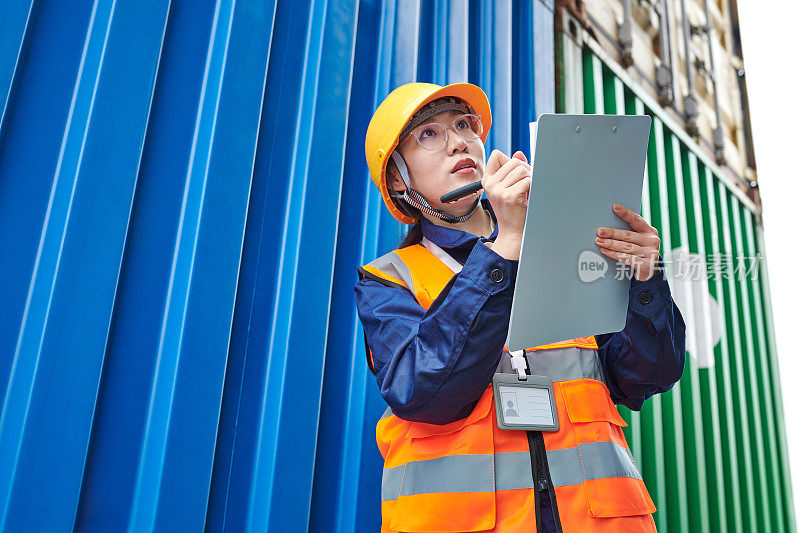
x,y
525,404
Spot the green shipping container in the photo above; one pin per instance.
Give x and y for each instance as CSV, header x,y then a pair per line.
x,y
712,449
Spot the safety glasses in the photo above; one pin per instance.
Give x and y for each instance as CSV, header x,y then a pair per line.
x,y
433,135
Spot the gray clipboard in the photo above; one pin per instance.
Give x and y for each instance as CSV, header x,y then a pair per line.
x,y
582,166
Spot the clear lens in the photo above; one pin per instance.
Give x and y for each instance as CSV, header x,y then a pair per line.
x,y
468,126
433,135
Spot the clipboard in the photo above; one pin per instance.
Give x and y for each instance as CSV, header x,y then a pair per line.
x,y
565,287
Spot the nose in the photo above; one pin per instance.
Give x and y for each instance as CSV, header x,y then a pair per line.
x,y
455,142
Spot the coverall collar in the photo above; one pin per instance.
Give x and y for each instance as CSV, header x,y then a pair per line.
x,y
451,237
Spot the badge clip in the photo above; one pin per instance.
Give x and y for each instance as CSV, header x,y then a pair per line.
x,y
519,364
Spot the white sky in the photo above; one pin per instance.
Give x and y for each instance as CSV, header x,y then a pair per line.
x,y
770,50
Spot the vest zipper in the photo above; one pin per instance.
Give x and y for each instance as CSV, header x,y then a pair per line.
x,y
541,478
542,481
535,471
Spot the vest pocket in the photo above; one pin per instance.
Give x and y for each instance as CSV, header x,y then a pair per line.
x,y
613,482
588,400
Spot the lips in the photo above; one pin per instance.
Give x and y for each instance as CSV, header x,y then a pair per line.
x,y
463,164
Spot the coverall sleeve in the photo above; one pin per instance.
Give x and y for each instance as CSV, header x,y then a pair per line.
x,y
648,355
432,366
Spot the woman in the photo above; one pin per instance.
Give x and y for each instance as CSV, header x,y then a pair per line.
x,y
435,315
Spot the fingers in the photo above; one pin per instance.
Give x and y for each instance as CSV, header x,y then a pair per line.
x,y
619,256
635,261
642,239
520,188
514,175
510,166
508,176
636,222
496,160
519,155
623,246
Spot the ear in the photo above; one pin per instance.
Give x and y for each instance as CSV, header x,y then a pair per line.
x,y
393,179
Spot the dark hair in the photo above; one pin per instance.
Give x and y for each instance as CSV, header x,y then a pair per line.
x,y
414,236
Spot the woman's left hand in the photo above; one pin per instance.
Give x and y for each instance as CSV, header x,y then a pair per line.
x,y
637,248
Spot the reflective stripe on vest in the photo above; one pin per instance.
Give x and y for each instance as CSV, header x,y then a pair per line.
x,y
443,256
391,268
560,364
512,470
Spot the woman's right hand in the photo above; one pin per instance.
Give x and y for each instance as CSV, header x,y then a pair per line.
x,y
507,183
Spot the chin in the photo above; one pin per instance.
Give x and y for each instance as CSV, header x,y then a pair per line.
x,y
465,179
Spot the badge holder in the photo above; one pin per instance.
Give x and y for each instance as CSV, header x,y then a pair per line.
x,y
523,401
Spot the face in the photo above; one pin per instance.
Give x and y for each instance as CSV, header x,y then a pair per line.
x,y
434,173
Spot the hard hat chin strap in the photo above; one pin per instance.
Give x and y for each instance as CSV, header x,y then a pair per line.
x,y
415,199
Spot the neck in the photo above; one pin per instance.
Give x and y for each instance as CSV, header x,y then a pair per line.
x,y
479,224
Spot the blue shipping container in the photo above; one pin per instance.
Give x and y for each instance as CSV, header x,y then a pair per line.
x,y
183,202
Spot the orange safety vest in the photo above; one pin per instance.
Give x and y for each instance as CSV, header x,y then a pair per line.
x,y
470,475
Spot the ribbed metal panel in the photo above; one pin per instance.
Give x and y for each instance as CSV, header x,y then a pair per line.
x,y
712,449
183,202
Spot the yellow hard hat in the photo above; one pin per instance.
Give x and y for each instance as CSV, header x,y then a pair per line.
x,y
396,110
